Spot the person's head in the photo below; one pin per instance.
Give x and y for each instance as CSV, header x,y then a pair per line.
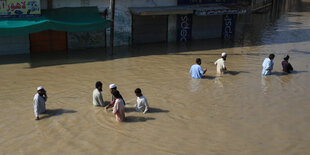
x,y
224,55
112,87
198,61
41,90
116,93
99,85
271,56
138,92
286,57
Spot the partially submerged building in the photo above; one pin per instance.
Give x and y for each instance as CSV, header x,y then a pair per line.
x,y
136,22
28,27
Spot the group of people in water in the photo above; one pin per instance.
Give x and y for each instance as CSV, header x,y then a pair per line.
x,y
117,101
268,65
197,72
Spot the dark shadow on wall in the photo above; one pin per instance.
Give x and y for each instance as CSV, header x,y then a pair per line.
x,y
55,112
14,59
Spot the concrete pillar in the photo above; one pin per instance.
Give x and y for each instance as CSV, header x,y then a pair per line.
x,y
172,28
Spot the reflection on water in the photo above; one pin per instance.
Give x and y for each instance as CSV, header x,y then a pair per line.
x,y
265,84
286,78
217,80
239,112
195,85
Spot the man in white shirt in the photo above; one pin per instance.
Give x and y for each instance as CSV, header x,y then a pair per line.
x,y
268,65
142,105
97,96
220,64
39,100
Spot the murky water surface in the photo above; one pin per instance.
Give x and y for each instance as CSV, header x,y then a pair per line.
x,y
237,113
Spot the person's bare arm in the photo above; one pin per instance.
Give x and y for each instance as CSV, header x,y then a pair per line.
x,y
110,105
205,70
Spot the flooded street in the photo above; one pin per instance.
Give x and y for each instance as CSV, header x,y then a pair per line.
x,y
238,113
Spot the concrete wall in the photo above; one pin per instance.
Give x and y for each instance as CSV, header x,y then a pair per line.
x,y
123,23
260,4
172,28
85,40
123,18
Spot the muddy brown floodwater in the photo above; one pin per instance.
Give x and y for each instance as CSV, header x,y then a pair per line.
x,y
237,113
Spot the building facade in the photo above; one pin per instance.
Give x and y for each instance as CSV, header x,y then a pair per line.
x,y
69,32
138,22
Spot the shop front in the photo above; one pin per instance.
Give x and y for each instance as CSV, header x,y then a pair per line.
x,y
15,9
191,22
149,29
208,21
47,32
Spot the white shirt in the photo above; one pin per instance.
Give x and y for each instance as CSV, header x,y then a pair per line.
x,y
267,66
220,65
39,104
97,98
142,104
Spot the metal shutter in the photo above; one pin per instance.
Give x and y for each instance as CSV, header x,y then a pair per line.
x,y
148,29
48,41
14,45
205,27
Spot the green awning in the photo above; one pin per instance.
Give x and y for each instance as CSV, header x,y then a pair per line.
x,y
79,19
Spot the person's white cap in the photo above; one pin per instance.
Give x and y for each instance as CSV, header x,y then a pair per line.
x,y
112,86
224,54
40,88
